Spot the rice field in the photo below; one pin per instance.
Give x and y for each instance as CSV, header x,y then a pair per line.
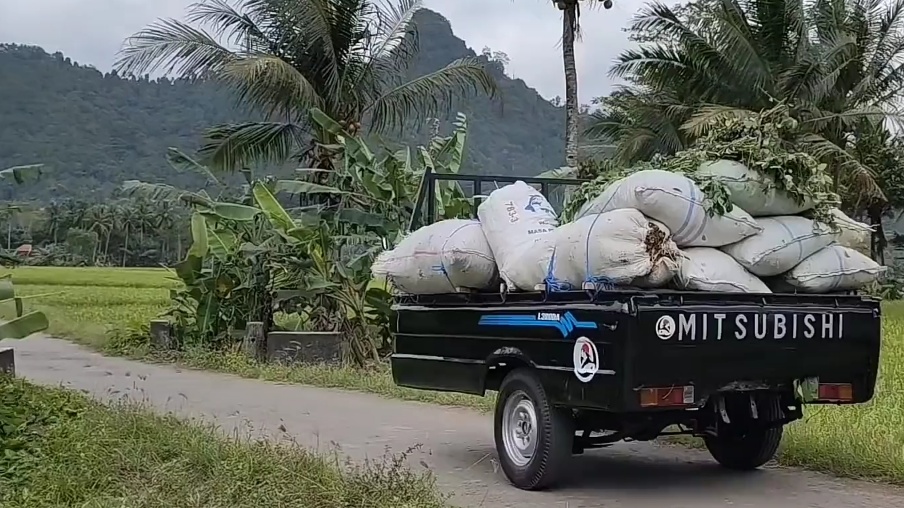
x,y
83,303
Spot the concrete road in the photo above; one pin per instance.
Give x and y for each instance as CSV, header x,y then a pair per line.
x,y
456,444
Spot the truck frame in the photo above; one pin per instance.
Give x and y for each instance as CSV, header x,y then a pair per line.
x,y
583,369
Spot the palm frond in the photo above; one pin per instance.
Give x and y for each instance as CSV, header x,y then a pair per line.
x,y
172,46
271,84
430,94
231,147
709,114
863,177
182,162
156,192
236,28
388,52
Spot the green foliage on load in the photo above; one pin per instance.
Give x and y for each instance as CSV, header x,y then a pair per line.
x,y
765,142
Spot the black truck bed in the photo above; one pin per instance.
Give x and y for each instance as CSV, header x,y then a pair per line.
x,y
711,341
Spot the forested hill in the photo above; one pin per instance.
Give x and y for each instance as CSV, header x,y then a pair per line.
x,y
95,130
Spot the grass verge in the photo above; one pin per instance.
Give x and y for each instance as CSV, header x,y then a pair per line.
x,y
60,449
865,441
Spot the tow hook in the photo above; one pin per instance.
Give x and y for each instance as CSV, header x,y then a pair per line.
x,y
753,412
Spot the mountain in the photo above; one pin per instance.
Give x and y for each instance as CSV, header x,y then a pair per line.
x,y
94,130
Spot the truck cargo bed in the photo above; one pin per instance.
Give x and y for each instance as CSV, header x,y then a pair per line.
x,y
635,339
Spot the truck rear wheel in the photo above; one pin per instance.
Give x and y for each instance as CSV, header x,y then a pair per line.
x,y
747,448
533,438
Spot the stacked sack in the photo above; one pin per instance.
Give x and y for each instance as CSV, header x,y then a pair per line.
x,y
649,229
439,258
681,205
612,247
791,251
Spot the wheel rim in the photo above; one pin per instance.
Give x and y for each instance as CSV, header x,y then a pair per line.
x,y
519,428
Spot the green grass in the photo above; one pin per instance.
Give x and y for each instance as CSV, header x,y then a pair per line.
x,y
70,451
863,441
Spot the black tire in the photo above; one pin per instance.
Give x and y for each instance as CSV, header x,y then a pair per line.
x,y
555,434
748,450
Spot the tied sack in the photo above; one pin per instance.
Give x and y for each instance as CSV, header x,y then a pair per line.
x,y
855,235
518,221
834,268
677,202
617,247
781,245
708,269
752,190
439,258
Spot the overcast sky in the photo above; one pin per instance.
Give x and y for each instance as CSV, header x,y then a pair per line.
x,y
92,31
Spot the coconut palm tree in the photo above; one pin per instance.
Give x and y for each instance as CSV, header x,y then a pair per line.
x,y
571,31
836,63
283,57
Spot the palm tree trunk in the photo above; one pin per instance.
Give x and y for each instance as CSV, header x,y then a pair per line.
x,y
569,31
125,247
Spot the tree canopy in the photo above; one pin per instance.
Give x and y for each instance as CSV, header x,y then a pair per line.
x,y
95,130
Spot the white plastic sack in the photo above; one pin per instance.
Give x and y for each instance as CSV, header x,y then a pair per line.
x,y
783,243
753,191
517,220
708,269
834,268
664,268
616,247
855,235
677,202
439,258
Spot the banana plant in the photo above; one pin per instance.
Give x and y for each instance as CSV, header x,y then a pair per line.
x,y
24,324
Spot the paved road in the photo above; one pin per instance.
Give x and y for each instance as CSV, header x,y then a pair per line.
x,y
457,444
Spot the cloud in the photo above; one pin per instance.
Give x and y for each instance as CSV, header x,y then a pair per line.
x,y
528,31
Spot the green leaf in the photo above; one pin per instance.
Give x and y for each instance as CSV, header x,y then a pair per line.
x,y
378,299
199,244
23,174
326,123
23,326
300,187
189,269
221,243
274,211
181,162
8,293
235,211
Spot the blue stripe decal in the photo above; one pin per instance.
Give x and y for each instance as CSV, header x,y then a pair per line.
x,y
565,324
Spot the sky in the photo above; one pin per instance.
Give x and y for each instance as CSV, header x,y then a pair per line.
x,y
528,31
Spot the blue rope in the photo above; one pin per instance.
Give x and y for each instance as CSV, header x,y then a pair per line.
x,y
552,283
600,282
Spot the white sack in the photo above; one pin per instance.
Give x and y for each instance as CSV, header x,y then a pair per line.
x,y
855,235
783,243
677,202
439,258
664,270
616,247
835,268
752,190
517,220
708,269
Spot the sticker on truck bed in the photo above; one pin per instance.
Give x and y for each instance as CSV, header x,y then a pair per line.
x,y
586,359
749,325
564,323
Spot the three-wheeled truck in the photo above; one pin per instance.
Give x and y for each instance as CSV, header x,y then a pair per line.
x,y
583,369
